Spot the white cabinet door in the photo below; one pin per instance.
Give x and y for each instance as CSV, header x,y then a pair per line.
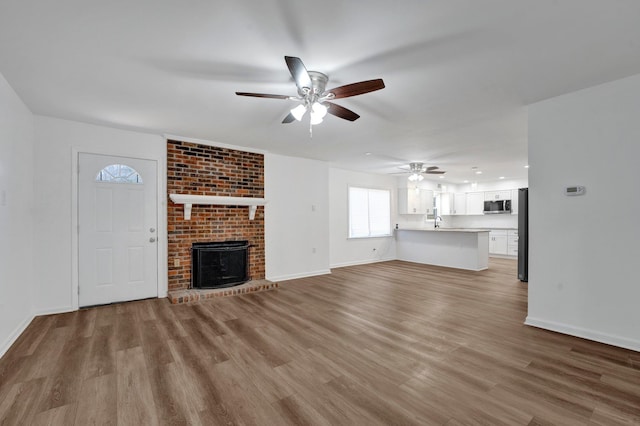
x,y
497,195
514,201
446,204
426,201
498,241
415,201
459,204
475,202
512,242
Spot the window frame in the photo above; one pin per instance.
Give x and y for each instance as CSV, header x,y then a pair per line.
x,y
368,189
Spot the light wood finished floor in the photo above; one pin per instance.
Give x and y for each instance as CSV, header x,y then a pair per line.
x,y
389,343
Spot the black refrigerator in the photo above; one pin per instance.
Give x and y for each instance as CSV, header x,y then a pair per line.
x,y
523,234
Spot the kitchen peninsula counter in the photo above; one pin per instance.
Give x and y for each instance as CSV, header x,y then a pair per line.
x,y
460,248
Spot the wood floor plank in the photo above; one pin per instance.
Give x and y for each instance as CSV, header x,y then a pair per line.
x,y
170,398
60,416
19,405
64,381
387,343
102,355
136,405
98,401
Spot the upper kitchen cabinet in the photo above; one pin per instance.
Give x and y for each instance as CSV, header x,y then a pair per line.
x,y
475,202
459,205
415,201
514,201
444,203
497,195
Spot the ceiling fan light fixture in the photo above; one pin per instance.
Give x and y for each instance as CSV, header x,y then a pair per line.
x,y
298,112
315,119
318,109
416,177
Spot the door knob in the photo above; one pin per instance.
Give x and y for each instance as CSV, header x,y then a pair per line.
x,y
152,240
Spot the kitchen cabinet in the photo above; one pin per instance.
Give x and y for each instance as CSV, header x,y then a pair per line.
x,y
459,205
475,202
503,242
497,195
415,201
512,242
444,204
498,241
514,201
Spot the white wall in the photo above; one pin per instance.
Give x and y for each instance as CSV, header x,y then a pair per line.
x,y
584,251
344,251
55,161
16,215
296,217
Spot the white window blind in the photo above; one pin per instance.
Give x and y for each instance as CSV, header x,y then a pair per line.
x,y
369,212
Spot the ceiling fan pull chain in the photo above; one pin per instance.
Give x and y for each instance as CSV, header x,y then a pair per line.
x,y
310,130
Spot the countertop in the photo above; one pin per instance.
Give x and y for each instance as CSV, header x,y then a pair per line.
x,y
470,230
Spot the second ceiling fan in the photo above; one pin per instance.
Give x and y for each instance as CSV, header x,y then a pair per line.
x,y
313,96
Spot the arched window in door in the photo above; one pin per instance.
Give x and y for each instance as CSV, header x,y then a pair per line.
x,y
119,173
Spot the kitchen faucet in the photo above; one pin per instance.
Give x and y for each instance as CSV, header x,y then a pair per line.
x,y
435,221
436,218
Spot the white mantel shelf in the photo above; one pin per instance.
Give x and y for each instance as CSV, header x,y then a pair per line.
x,y
190,200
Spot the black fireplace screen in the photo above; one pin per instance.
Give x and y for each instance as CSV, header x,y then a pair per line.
x,y
219,264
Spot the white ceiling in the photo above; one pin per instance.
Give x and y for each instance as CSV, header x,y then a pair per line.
x,y
458,73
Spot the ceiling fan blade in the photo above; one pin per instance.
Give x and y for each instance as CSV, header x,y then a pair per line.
x,y
432,168
298,72
355,89
342,112
289,119
263,95
434,172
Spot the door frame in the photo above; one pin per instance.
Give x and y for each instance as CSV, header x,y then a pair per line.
x,y
161,214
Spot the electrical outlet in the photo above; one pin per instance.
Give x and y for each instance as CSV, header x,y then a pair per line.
x,y
176,262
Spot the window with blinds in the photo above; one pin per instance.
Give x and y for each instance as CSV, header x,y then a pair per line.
x,y
369,212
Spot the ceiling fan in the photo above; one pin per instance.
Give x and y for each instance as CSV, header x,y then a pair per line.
x,y
313,97
418,169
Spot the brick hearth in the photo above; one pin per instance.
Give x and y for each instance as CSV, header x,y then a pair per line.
x,y
196,295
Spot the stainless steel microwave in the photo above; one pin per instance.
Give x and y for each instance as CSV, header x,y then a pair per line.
x,y
497,206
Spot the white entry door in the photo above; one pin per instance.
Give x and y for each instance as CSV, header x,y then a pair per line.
x,y
117,236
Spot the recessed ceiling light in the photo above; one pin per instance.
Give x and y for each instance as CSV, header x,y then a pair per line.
x,y
367,153
465,181
501,177
441,177
478,172
526,167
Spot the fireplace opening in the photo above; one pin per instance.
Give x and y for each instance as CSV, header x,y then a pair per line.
x,y
219,264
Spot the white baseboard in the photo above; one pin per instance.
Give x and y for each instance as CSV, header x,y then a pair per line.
x,y
361,262
300,275
59,310
15,334
584,333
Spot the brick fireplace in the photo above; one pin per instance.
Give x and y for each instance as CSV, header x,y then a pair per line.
x,y
197,169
